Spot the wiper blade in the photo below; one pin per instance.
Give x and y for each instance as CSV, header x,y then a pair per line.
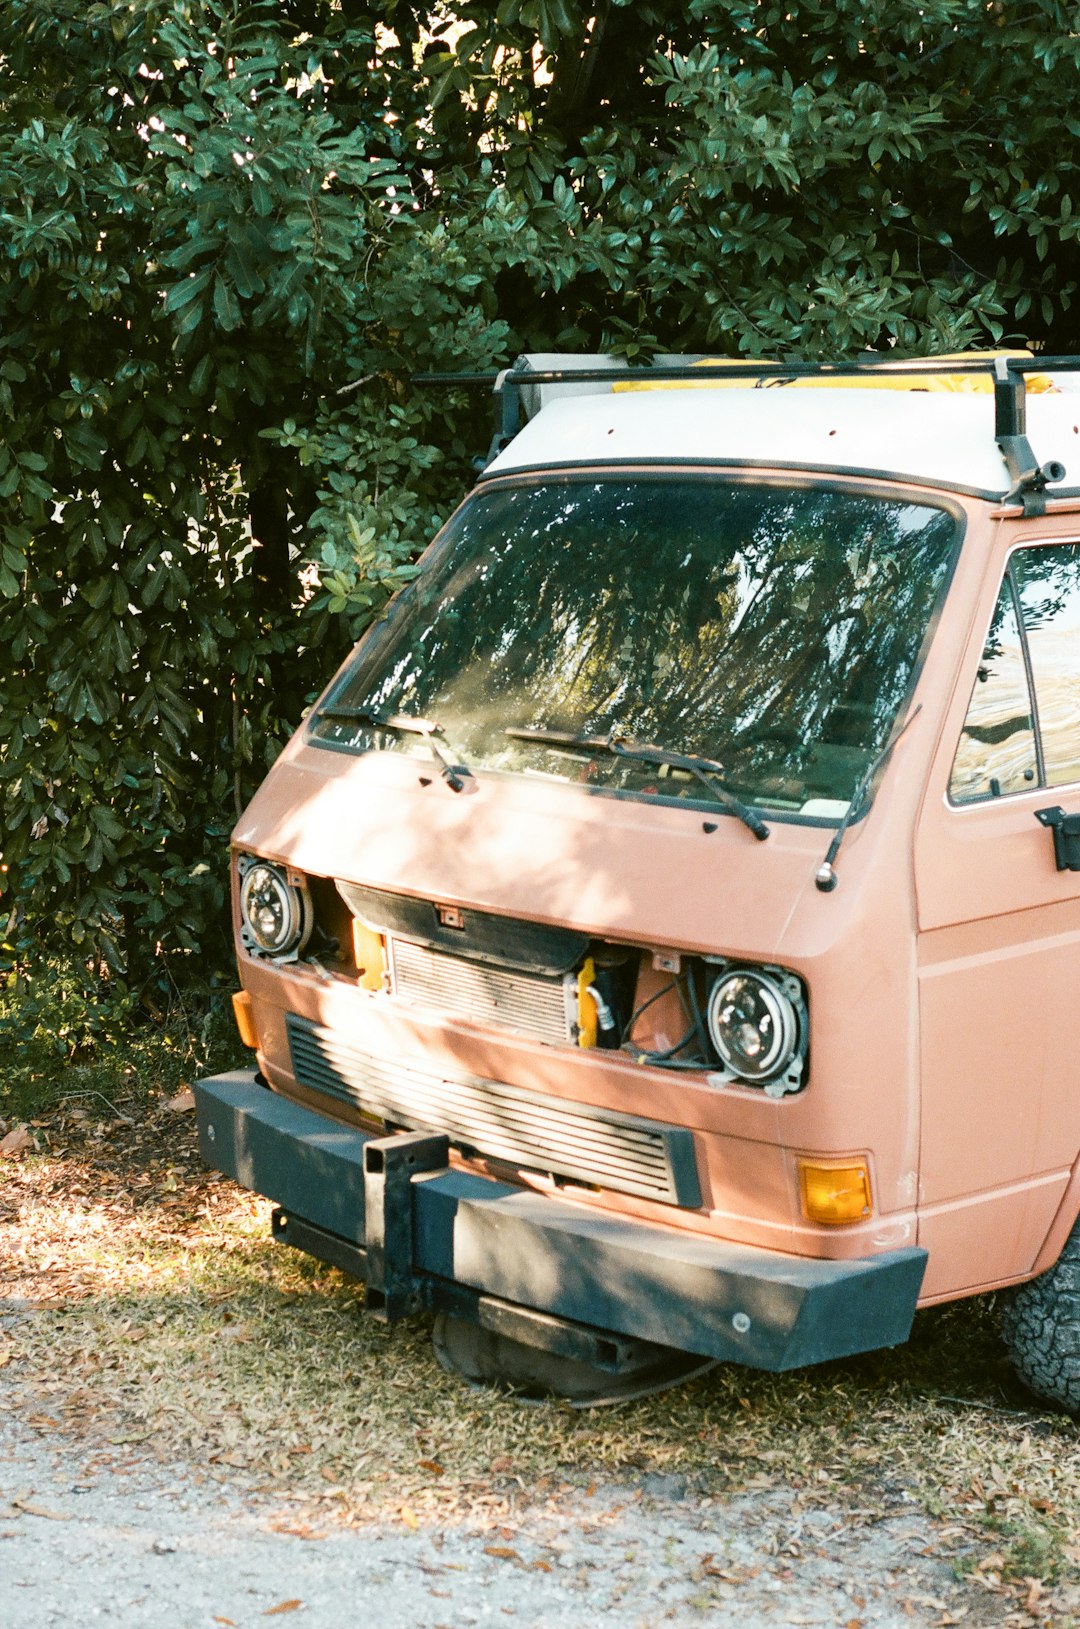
x,y
405,724
705,770
825,877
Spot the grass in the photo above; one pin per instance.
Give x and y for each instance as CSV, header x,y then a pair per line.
x,y
164,1317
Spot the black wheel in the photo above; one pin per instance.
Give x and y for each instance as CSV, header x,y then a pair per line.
x,y
484,1358
1041,1328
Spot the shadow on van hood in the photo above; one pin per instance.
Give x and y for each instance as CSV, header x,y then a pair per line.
x,y
613,866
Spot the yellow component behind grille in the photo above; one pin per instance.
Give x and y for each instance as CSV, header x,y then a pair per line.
x,y
369,956
588,1020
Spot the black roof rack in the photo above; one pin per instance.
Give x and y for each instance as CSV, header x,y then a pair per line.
x,y
1029,478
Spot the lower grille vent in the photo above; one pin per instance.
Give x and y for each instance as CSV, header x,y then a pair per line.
x,y
619,1152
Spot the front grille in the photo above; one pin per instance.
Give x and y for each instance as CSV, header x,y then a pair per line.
x,y
506,1123
524,1003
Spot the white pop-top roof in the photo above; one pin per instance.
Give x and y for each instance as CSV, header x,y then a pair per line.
x,y
936,439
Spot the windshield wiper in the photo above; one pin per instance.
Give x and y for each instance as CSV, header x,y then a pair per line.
x,y
704,770
825,877
405,724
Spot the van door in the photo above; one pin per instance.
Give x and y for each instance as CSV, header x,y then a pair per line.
x,y
999,933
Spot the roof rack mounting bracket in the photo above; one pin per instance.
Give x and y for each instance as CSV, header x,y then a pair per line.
x,y
508,410
1029,478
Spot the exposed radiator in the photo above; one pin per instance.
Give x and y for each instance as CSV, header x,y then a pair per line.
x,y
522,1003
487,1117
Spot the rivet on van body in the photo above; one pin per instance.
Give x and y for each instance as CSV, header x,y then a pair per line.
x,y
740,1323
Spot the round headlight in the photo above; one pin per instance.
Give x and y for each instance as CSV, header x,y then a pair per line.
x,y
753,1023
275,915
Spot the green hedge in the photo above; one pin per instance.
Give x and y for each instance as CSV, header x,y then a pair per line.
x,y
229,234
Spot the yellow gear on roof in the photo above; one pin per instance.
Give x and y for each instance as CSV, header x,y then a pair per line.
x,y
878,376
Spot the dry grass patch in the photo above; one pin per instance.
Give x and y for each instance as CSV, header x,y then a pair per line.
x,y
164,1316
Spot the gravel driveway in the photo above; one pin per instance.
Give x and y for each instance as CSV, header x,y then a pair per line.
x,y
109,1536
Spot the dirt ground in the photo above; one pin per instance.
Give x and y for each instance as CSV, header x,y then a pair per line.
x,y
112,1536
200,1427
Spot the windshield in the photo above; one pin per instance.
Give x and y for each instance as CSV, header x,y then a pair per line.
x,y
774,631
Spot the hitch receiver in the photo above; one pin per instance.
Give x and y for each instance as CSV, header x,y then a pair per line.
x,y
393,1290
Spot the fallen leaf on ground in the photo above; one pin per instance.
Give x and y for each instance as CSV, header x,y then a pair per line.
x,y
503,1551
282,1606
30,1509
182,1103
228,1622
16,1142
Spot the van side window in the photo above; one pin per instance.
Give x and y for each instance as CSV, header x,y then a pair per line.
x,y
1048,582
997,747
1010,742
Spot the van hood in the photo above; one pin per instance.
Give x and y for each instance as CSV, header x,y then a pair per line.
x,y
527,847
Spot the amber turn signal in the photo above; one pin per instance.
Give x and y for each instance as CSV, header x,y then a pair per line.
x,y
835,1193
245,1018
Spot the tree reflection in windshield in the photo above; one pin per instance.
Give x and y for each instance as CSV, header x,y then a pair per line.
x,y
774,629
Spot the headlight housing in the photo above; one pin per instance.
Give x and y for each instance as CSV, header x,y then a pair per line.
x,y
757,1022
275,916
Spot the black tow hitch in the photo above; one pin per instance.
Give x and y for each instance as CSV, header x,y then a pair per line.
x,y
390,1163
386,1259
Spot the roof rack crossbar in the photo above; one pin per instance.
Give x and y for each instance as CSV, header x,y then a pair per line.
x,y
728,367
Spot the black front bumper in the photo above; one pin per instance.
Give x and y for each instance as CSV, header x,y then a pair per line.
x,y
421,1234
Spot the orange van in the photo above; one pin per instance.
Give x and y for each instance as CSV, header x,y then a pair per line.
x,y
658,941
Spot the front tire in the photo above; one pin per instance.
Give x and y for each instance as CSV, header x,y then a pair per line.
x,y
1041,1329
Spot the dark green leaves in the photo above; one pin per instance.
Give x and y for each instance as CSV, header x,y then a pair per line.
x,y
229,236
